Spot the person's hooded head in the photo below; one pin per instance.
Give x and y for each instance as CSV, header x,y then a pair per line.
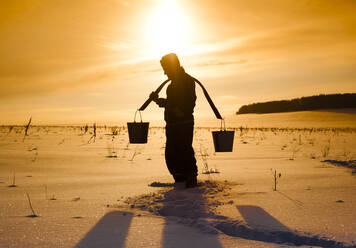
x,y
171,65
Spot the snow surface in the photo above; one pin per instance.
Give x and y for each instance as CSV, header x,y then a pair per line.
x,y
104,192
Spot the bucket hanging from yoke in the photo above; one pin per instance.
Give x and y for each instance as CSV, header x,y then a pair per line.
x,y
138,131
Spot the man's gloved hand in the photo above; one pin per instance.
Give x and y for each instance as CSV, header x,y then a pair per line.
x,y
161,102
154,96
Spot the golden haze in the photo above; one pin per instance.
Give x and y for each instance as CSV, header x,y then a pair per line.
x,y
85,61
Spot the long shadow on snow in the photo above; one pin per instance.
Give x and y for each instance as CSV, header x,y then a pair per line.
x,y
258,220
348,164
191,207
110,231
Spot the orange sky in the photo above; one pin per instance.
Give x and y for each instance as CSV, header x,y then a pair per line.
x,y
97,61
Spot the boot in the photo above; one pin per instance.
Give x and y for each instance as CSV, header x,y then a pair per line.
x,y
179,178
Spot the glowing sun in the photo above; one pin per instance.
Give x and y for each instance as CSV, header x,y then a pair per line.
x,y
167,28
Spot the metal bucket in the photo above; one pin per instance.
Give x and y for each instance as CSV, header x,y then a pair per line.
x,y
223,139
138,131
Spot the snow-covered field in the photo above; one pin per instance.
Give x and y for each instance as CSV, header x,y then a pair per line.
x,y
104,192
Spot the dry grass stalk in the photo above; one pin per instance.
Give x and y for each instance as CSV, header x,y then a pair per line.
x,y
134,155
26,130
46,192
111,149
204,155
326,149
33,215
13,180
276,178
93,137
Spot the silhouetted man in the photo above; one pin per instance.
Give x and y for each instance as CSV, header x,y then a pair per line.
x,y
178,114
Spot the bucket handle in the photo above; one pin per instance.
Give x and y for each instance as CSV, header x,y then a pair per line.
x,y
221,124
140,115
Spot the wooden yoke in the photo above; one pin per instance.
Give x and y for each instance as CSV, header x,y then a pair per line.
x,y
212,105
149,100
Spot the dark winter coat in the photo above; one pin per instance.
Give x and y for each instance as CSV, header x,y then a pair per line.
x,y
180,102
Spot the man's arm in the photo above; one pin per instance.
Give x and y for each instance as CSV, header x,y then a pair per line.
x,y
161,102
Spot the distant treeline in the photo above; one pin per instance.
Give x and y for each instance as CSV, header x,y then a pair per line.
x,y
332,101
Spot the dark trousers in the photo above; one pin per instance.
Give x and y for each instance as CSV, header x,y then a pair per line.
x,y
179,152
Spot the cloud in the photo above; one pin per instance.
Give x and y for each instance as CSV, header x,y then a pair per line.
x,y
56,109
221,62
